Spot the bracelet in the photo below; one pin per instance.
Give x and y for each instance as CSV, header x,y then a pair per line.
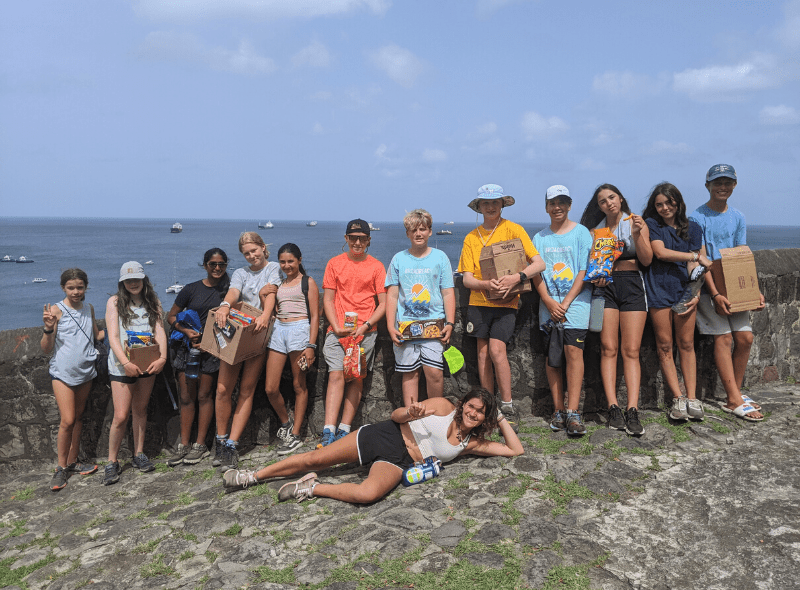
x,y
225,303
368,325
46,331
695,256
715,296
163,358
311,345
449,324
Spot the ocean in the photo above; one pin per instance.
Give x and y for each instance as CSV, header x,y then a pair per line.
x,y
101,246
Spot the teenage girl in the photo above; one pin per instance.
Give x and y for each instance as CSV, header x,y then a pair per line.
x,y
201,297
246,284
136,308
625,301
69,333
295,336
676,243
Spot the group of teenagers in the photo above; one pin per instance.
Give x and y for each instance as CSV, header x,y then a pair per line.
x,y
660,251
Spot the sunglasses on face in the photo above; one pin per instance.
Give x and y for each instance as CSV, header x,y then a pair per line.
x,y
354,239
217,264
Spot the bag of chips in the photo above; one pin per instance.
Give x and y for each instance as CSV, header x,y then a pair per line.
x,y
605,251
355,358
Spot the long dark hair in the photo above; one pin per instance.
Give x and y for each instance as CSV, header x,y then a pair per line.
x,y
75,274
489,412
592,215
225,281
294,251
674,196
150,301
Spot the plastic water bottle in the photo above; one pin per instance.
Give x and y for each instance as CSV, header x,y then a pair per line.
x,y
596,311
193,364
693,287
428,469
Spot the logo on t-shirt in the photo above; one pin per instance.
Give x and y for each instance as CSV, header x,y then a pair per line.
x,y
562,276
419,304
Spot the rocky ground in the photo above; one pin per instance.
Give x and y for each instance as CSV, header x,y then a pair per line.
x,y
711,505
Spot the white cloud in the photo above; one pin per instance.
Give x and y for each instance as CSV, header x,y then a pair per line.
x,y
730,82
666,147
315,55
180,10
779,115
398,63
432,155
171,46
535,125
317,129
626,84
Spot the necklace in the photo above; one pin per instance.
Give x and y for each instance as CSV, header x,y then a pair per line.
x,y
489,237
460,436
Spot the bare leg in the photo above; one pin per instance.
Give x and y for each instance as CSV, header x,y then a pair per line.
x,y
502,370
727,370
434,379
742,342
247,388
662,326
334,396
188,396
410,387
684,334
228,374
609,345
344,450
122,394
275,363
555,378
574,357
141,391
300,392
631,325
485,369
205,402
71,402
352,399
382,479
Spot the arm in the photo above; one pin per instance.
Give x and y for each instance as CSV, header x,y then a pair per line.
x,y
508,282
225,307
268,304
486,448
161,339
666,255
380,311
641,237
50,317
449,300
112,327
329,307
436,405
98,333
557,311
721,305
392,292
313,320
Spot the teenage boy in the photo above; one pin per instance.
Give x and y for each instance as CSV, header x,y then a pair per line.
x,y
724,227
565,247
491,321
353,282
419,287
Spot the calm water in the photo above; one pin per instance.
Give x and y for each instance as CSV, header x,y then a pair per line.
x,y
100,246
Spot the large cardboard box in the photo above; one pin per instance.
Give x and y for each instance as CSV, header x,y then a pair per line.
x,y
736,278
243,344
143,356
504,258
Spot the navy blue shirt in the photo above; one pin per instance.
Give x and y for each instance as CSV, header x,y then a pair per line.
x,y
666,281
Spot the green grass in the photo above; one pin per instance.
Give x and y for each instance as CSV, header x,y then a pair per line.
x,y
163,468
680,432
140,514
17,528
146,547
211,556
459,482
283,576
23,494
561,494
233,530
102,519
9,577
208,474
186,555
45,541
281,536
184,499
512,515
186,536
157,567
63,507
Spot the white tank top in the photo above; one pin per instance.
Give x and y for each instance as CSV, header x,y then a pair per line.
x,y
430,434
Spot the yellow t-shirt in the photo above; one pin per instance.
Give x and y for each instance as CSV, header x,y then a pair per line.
x,y
471,253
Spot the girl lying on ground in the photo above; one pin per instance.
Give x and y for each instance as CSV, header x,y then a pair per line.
x,y
432,427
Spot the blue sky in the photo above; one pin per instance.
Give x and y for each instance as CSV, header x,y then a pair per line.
x,y
334,109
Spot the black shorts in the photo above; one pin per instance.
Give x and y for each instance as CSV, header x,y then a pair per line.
x,y
626,293
574,337
209,364
127,380
491,322
383,442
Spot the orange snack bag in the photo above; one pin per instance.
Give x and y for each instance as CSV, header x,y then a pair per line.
x,y
605,251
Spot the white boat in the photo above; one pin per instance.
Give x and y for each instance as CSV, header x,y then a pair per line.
x,y
149,262
23,260
176,288
8,258
373,228
444,232
176,228
312,224
450,223
267,225
39,280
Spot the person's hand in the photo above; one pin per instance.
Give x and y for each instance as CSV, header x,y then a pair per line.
x,y
417,410
721,305
361,330
508,282
447,331
637,224
557,311
49,318
340,332
691,305
221,315
762,303
261,323
193,336
704,261
131,370
310,355
497,289
395,335
601,282
156,366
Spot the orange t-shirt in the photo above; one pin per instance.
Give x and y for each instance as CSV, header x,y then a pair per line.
x,y
356,285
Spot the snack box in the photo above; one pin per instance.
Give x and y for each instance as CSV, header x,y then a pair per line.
x,y
504,258
417,329
736,278
143,356
243,344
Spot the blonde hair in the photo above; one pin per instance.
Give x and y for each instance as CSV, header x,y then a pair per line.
x,y
251,237
417,217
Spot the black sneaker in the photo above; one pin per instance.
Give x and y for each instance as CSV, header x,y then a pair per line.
x,y
111,473
616,419
219,453
197,454
59,479
142,463
231,459
285,430
82,468
177,457
575,425
558,421
290,444
632,424
512,416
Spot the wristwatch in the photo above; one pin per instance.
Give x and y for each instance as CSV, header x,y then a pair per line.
x,y
449,324
368,325
523,277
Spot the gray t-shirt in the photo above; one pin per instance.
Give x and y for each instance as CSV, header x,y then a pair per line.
x,y
249,282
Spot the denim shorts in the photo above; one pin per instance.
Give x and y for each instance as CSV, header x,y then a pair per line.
x,y
289,336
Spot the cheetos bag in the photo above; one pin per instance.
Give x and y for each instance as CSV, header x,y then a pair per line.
x,y
605,251
355,359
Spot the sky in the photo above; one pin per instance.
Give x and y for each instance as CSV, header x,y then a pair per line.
x,y
335,109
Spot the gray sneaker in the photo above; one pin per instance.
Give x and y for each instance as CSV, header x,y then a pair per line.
x,y
219,453
142,463
695,410
290,444
678,411
197,454
177,457
239,478
575,425
111,473
512,416
285,430
299,490
230,459
558,421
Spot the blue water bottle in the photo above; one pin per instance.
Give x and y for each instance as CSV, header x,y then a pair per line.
x,y
193,364
419,472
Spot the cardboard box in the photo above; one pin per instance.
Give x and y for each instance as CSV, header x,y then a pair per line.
x,y
243,344
736,278
414,330
143,356
504,258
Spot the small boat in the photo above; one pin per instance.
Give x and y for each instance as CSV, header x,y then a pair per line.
x,y
267,225
450,223
444,232
312,224
176,228
8,258
373,228
176,288
39,280
149,262
23,260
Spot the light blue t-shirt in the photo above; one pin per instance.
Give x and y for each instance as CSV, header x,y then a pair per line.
x,y
720,230
565,256
420,282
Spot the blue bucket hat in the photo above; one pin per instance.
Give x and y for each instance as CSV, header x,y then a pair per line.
x,y
720,171
488,192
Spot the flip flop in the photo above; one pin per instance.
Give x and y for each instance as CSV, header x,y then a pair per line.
x,y
744,412
747,400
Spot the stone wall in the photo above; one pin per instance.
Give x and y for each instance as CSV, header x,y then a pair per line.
x,y
29,418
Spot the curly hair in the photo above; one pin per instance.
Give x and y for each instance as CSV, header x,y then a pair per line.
x,y
593,215
489,412
150,303
674,196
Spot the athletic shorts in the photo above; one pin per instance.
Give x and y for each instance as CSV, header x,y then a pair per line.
x,y
626,293
209,364
412,354
491,322
383,442
334,353
125,379
289,336
575,337
709,322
